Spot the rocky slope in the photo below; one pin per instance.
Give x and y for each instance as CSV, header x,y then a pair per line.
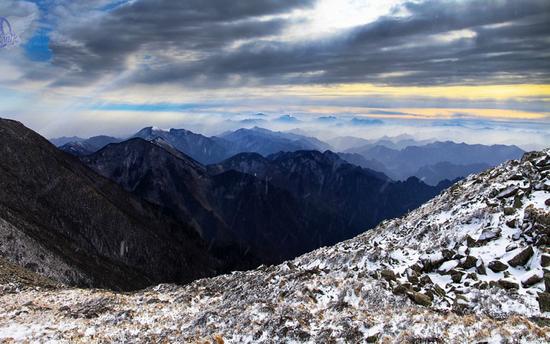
x,y
469,266
60,219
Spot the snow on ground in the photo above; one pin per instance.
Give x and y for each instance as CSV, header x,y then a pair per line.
x,y
469,266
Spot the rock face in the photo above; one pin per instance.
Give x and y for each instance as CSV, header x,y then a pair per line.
x,y
392,283
59,218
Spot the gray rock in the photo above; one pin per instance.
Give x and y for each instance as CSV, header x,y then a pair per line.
x,y
544,302
388,275
489,234
468,262
508,192
419,298
534,278
522,257
508,284
497,266
509,211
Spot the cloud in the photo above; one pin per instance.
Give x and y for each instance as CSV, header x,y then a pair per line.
x,y
438,43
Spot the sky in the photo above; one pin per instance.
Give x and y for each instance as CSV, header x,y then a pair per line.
x,y
476,71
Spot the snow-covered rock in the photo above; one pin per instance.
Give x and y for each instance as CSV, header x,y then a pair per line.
x,y
420,278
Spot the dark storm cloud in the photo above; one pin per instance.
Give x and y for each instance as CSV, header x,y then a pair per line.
x,y
88,49
510,45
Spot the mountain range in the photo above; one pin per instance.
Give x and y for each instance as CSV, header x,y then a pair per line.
x,y
471,265
140,211
398,157
271,208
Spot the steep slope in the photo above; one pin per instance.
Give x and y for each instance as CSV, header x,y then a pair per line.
x,y
425,277
59,218
358,197
229,209
266,142
204,149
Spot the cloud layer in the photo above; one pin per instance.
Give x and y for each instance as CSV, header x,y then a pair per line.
x,y
215,43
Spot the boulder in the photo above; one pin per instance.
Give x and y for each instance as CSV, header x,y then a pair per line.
x,y
547,281
511,223
439,291
489,234
480,268
531,279
460,304
507,283
509,211
508,192
522,257
388,275
511,247
517,202
545,260
472,276
544,302
470,242
497,266
419,298
456,276
401,289
425,279
468,262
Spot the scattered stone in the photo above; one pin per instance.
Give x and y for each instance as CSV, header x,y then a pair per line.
x,y
511,223
522,258
544,302
419,298
547,202
497,266
480,268
517,202
547,281
425,279
401,289
471,242
531,279
460,304
439,291
508,192
489,234
507,283
373,338
468,262
388,275
472,276
511,247
456,276
545,260
509,211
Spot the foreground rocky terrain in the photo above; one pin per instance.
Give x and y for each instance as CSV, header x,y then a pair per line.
x,y
469,266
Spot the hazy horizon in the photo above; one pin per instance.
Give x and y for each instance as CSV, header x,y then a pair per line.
x,y
473,71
